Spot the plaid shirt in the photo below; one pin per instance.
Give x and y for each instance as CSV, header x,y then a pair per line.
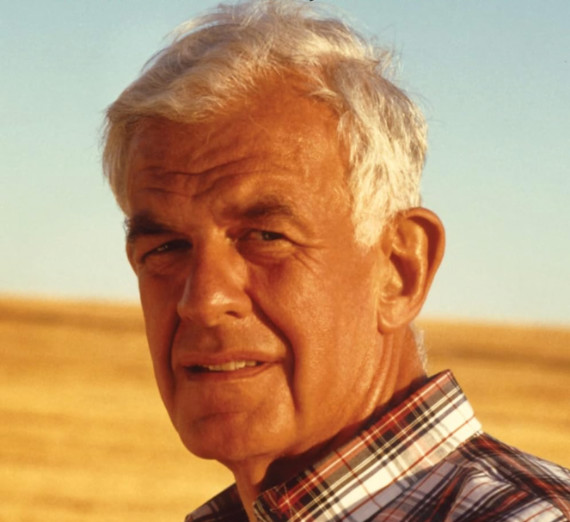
x,y
426,459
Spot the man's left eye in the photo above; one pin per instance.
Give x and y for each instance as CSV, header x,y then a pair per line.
x,y
266,235
263,239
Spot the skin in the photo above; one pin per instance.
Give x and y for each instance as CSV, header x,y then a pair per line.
x,y
240,234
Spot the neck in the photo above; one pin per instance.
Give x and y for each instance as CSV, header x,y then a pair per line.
x,y
400,375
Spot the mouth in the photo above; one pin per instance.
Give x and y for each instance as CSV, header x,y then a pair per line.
x,y
228,367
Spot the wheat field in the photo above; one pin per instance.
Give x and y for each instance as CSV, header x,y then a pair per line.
x,y
84,436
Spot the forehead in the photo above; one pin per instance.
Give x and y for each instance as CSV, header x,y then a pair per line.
x,y
280,134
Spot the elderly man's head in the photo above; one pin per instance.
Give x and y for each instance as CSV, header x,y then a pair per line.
x,y
220,60
269,174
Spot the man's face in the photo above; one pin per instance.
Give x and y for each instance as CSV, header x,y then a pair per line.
x,y
260,307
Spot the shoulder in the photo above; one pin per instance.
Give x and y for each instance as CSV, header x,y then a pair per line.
x,y
512,483
485,479
503,463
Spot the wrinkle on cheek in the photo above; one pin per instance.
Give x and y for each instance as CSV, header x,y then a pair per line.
x,y
165,380
161,327
311,263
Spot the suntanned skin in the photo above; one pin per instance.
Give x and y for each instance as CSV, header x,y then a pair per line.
x,y
242,241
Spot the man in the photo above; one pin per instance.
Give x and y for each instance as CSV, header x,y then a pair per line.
x,y
269,173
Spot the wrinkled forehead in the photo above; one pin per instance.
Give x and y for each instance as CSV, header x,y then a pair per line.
x,y
286,93
281,122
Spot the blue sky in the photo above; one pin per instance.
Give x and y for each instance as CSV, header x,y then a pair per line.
x,y
493,79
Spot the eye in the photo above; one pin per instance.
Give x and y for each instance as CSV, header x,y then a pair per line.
x,y
176,245
263,235
262,246
266,235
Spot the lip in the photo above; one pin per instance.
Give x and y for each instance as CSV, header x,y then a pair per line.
x,y
191,373
195,366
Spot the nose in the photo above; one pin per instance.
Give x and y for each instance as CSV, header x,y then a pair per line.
x,y
215,288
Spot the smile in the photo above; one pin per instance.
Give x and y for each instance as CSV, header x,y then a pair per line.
x,y
230,366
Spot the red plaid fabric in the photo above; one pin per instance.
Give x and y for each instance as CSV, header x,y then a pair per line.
x,y
426,460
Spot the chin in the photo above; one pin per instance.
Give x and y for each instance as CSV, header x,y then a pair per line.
x,y
228,439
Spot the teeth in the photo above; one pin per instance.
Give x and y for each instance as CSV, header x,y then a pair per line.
x,y
229,366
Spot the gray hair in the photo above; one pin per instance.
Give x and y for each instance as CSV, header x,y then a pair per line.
x,y
223,56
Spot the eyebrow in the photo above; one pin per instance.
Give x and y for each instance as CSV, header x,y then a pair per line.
x,y
265,207
144,224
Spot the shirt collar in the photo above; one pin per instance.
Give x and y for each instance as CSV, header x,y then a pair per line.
x,y
372,469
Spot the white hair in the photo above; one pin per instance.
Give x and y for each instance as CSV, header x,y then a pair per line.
x,y
224,56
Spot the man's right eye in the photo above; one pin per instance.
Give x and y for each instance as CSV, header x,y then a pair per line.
x,y
174,246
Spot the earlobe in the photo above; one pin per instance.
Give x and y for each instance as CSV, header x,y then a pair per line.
x,y
413,246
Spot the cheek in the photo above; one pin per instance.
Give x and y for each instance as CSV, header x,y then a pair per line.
x,y
160,322
159,300
328,318
302,307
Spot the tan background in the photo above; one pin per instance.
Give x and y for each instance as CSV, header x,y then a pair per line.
x,y
84,437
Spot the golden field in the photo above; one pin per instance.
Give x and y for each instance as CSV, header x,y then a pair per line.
x,y
84,436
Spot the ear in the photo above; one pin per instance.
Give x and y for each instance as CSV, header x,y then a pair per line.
x,y
413,246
